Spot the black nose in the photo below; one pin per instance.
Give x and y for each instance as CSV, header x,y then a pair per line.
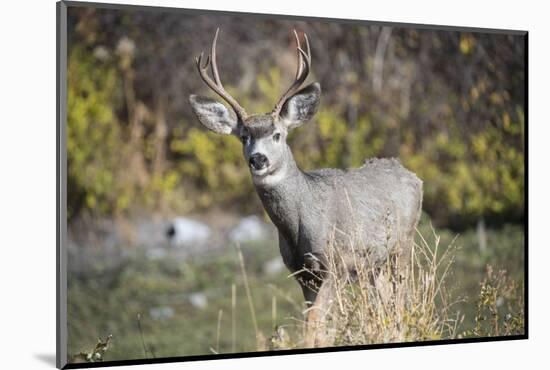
x,y
258,161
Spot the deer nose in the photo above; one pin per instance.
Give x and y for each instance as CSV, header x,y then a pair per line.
x,y
258,161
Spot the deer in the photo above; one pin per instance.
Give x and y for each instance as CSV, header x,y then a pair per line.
x,y
380,201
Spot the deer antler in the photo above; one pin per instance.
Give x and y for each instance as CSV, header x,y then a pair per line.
x,y
302,71
216,84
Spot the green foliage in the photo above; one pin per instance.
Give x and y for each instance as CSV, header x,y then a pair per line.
x,y
480,174
449,106
106,174
93,134
211,161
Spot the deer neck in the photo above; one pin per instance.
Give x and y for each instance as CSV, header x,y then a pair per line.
x,y
282,199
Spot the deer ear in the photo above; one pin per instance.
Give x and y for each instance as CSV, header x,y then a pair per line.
x,y
213,114
302,106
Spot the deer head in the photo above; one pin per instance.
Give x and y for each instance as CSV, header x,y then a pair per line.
x,y
263,135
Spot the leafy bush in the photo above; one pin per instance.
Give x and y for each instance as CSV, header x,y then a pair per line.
x,y
448,104
94,135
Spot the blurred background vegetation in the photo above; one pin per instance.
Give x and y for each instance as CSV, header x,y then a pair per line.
x,y
448,104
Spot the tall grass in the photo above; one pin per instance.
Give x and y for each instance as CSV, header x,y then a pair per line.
x,y
408,299
404,299
500,306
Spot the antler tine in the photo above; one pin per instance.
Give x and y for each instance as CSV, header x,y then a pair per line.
x,y
302,71
214,64
216,84
300,65
307,46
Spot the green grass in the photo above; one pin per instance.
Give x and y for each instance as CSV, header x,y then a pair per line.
x,y
109,302
99,307
505,251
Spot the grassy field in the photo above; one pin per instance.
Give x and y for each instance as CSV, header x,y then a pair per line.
x,y
169,307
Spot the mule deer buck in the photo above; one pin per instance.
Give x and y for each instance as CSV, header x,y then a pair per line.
x,y
380,201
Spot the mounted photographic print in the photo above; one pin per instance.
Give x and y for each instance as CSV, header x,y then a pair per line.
x,y
234,184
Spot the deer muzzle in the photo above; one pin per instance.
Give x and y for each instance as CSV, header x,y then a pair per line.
x,y
258,162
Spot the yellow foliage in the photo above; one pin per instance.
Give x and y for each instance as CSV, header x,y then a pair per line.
x,y
467,43
468,174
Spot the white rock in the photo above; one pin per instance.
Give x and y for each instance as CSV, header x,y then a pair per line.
x,y
250,228
185,231
198,300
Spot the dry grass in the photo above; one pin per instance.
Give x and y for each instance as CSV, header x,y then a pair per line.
x,y
403,300
500,306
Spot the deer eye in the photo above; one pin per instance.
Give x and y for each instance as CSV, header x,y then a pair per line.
x,y
244,139
277,136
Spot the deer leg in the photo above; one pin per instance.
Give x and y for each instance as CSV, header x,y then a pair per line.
x,y
400,260
310,291
315,333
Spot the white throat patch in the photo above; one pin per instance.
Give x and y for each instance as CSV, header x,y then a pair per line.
x,y
269,179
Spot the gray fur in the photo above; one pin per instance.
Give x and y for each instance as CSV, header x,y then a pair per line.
x,y
376,206
213,115
302,106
